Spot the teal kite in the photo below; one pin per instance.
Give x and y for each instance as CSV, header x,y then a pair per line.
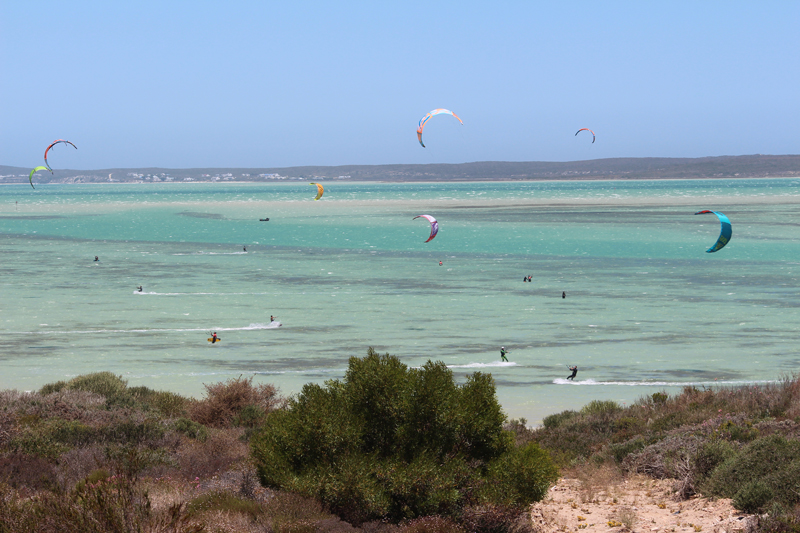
x,y
725,232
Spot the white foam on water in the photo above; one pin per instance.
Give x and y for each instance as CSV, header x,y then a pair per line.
x,y
591,382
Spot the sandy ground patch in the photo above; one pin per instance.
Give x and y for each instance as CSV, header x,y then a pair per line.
x,y
637,503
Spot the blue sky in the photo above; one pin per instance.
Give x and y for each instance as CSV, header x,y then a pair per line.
x,y
270,84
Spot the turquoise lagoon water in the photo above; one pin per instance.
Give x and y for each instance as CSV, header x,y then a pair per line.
x,y
647,309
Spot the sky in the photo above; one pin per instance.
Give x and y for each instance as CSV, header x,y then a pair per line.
x,y
274,84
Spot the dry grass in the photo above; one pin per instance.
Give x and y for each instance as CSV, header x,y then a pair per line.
x,y
596,481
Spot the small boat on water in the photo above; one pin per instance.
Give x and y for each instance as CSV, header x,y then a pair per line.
x,y
263,220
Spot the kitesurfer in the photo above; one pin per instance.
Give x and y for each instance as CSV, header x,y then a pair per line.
x,y
529,279
440,263
214,337
563,294
574,372
524,278
271,318
96,258
245,248
139,288
503,353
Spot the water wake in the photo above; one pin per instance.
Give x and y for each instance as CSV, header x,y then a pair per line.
x,y
591,382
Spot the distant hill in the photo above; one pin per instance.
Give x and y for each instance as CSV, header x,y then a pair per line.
x,y
745,166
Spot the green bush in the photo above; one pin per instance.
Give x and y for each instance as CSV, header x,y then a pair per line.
x,y
659,398
600,407
711,454
222,501
50,388
395,442
191,429
772,461
522,476
556,420
250,416
103,383
752,497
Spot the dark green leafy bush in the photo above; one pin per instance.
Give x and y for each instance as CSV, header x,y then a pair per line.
x,y
767,466
191,429
399,443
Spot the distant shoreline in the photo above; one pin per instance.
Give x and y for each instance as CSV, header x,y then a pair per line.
x,y
643,168
364,181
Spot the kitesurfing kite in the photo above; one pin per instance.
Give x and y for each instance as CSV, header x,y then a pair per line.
x,y
725,231
320,190
424,119
586,129
34,171
434,225
51,145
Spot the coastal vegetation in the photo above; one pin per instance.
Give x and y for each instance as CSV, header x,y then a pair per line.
x,y
386,449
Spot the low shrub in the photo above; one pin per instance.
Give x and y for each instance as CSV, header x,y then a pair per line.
x,y
222,449
224,402
222,501
114,504
103,383
601,407
191,429
710,455
521,476
556,420
767,464
495,519
290,512
432,524
131,432
752,497
20,470
50,388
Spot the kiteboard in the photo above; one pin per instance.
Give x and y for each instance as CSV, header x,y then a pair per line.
x,y
211,339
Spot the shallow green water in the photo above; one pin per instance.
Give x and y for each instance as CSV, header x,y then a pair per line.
x,y
646,308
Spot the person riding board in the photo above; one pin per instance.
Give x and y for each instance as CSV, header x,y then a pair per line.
x,y
574,372
214,337
503,353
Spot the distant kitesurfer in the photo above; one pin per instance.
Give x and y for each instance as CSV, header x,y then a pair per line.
x,y
139,288
214,337
524,278
563,294
96,258
245,248
271,318
529,279
574,372
503,353
440,263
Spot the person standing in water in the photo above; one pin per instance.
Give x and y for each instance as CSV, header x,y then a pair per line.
x,y
503,353
574,372
563,294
